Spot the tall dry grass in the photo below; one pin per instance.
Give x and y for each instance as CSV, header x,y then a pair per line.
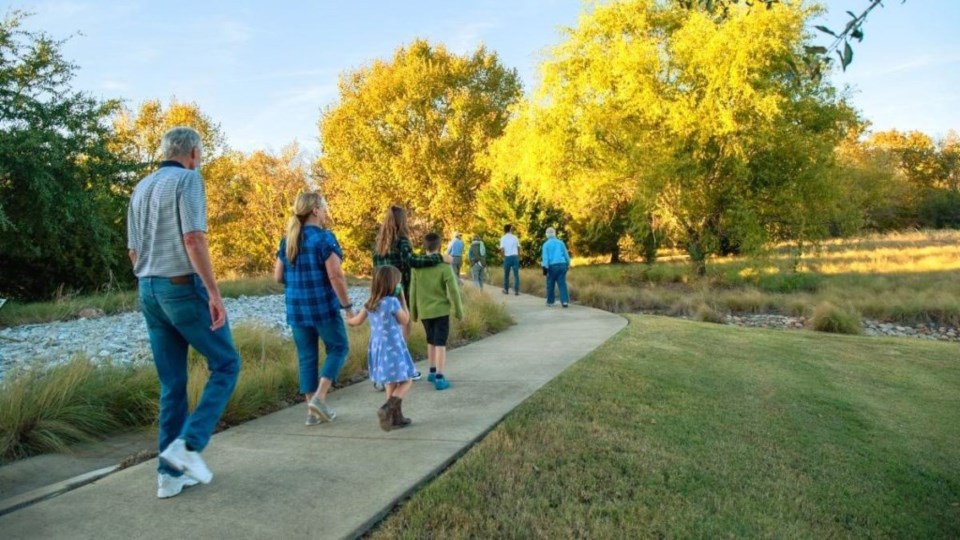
x,y
49,409
907,278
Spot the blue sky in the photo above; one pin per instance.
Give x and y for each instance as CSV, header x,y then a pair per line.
x,y
263,70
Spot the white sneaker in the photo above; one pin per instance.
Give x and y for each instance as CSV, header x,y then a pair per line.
x,y
177,456
321,409
171,486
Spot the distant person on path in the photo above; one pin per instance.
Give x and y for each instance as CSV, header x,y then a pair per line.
x,y
181,302
393,248
433,294
455,251
388,359
510,249
477,256
555,261
308,265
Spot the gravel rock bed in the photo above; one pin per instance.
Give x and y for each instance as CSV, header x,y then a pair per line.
x,y
870,327
123,337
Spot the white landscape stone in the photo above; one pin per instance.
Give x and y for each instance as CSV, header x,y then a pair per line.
x,y
123,337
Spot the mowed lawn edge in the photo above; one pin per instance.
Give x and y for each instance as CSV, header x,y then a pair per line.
x,y
678,428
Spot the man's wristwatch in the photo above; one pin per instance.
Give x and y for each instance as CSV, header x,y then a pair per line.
x,y
346,307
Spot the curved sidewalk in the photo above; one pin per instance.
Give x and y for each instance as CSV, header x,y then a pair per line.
x,y
276,478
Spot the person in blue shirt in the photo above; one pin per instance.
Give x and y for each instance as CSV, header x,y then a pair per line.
x,y
555,261
309,266
455,251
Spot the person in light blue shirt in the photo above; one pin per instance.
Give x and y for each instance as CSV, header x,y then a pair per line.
x,y
455,251
555,261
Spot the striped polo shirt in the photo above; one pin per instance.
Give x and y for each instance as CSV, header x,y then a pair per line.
x,y
164,206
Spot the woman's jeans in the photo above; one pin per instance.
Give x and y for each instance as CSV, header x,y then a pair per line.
x,y
557,275
511,261
334,336
178,317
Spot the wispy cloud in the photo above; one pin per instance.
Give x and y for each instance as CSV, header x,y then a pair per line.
x,y
465,38
231,31
110,85
915,63
294,111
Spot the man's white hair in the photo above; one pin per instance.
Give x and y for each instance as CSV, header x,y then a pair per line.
x,y
179,141
551,232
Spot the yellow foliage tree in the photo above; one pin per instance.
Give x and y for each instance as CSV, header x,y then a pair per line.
x,y
694,120
248,206
408,131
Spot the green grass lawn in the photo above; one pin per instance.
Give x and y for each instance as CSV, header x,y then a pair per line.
x,y
685,429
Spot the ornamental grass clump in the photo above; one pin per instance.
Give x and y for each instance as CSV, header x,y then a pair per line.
x,y
835,320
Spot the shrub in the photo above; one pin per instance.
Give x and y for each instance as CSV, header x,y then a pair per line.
x,y
789,282
748,301
706,313
830,318
940,209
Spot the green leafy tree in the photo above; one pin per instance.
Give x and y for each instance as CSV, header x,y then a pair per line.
x,y
503,202
696,120
408,130
138,133
62,199
874,193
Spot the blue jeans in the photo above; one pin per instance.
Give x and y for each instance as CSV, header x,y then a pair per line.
x,y
557,275
511,261
178,316
334,336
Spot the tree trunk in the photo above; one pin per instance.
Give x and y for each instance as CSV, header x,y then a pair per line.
x,y
615,254
698,255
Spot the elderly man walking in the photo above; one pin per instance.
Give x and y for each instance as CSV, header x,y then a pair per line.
x,y
555,261
455,251
180,300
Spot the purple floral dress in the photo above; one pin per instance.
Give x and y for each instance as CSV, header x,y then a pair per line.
x,y
388,359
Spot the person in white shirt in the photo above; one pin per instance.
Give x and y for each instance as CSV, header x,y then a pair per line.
x,y
510,249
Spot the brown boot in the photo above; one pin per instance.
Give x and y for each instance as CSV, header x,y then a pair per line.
x,y
385,414
399,421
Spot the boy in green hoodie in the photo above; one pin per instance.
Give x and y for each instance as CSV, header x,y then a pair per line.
x,y
433,294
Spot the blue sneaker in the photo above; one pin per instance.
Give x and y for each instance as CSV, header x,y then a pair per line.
x,y
441,384
432,377
416,376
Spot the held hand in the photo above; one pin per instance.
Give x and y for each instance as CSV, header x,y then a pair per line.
x,y
218,314
447,258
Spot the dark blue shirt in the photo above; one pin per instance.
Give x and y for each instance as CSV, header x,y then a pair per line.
x,y
311,299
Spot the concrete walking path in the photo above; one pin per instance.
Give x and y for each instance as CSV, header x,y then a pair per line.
x,y
276,478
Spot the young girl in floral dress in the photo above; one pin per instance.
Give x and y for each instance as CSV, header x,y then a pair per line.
x,y
388,359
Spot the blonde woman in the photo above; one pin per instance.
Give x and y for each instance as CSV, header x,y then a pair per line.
x,y
308,265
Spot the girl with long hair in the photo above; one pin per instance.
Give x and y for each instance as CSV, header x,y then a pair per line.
x,y
388,359
393,248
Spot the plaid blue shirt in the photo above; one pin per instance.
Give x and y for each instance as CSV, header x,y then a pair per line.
x,y
311,299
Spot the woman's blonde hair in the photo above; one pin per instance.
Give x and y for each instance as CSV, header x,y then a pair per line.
x,y
394,226
384,283
306,203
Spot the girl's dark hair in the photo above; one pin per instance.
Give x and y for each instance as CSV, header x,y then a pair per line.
x,y
385,280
